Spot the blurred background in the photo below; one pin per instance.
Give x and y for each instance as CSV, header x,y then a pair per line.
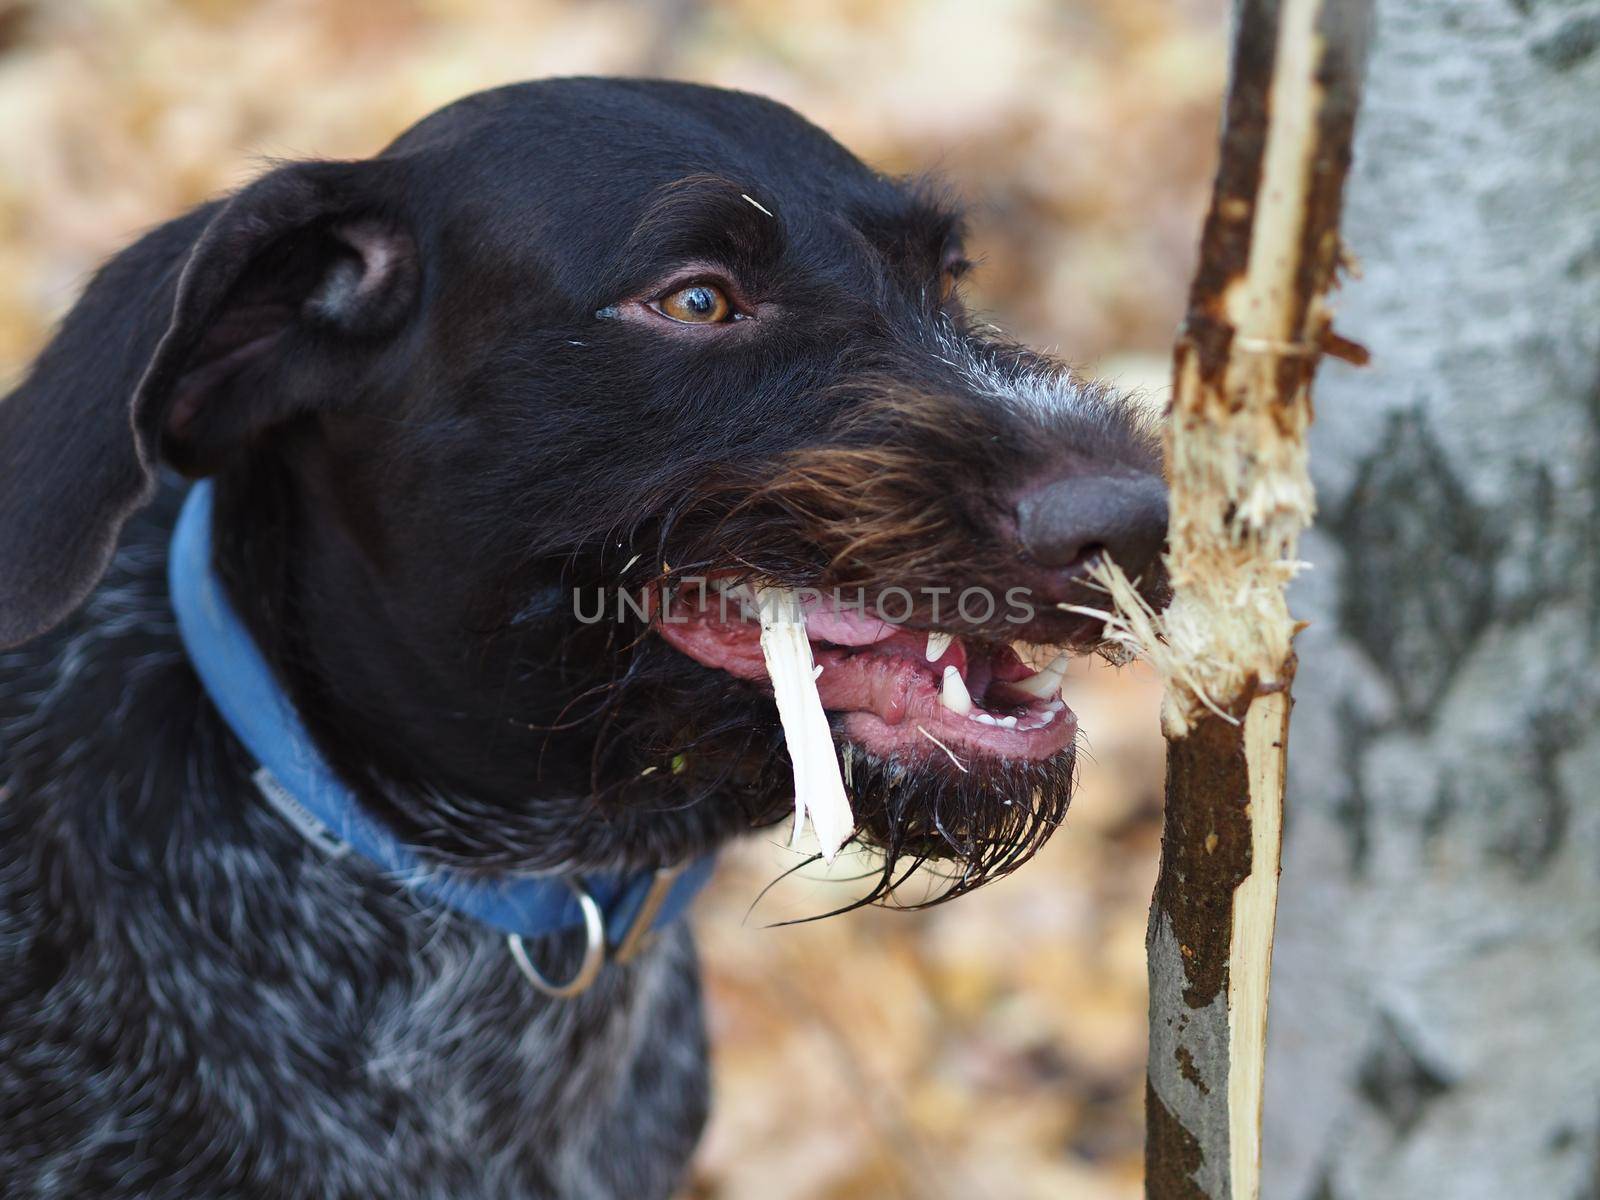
x,y
990,1048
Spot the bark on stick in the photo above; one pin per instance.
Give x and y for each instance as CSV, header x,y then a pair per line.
x,y
1256,327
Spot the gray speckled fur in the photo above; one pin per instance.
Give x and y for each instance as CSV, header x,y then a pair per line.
x,y
193,1002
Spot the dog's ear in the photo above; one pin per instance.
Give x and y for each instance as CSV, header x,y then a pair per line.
x,y
194,342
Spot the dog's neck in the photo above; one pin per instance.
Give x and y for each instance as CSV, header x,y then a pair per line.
x,y
474,786
295,780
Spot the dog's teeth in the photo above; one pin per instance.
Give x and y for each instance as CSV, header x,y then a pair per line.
x,y
984,718
938,643
1045,683
1007,722
1049,715
954,694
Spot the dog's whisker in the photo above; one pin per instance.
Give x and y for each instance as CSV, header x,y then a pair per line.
x,y
961,766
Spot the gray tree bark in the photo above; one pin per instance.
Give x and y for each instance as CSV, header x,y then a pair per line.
x,y
1435,1021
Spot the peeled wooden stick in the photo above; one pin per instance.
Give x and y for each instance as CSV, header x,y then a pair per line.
x,y
1241,496
818,787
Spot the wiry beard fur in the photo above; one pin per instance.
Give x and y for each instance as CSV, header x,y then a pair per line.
x,y
961,830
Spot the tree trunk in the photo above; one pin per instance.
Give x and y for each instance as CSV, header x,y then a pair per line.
x,y
1435,1029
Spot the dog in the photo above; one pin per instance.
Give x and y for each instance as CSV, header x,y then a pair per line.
x,y
304,515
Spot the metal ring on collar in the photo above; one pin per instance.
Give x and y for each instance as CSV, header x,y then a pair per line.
x,y
594,950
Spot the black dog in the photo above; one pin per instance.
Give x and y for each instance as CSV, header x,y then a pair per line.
x,y
560,340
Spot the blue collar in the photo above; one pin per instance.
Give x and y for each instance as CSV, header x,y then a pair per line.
x,y
615,911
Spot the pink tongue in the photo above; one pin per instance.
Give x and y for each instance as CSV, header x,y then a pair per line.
x,y
868,683
827,621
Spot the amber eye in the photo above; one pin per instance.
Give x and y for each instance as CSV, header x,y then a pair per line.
x,y
697,304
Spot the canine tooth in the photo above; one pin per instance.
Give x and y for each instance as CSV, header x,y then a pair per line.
x,y
1045,683
1034,654
954,695
938,643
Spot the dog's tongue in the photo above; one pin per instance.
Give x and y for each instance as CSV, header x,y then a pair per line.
x,y
828,621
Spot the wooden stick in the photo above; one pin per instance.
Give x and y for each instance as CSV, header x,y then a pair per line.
x,y
1255,330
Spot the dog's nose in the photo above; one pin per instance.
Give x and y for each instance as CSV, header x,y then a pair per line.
x,y
1065,525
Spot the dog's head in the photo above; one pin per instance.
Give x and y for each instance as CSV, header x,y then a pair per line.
x,y
503,420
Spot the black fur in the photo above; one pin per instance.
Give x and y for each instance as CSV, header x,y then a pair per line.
x,y
434,405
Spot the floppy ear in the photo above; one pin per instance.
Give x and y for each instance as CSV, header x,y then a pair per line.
x,y
186,347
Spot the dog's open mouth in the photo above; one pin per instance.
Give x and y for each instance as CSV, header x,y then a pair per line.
x,y
897,691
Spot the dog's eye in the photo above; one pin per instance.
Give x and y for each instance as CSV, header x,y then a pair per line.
x,y
697,304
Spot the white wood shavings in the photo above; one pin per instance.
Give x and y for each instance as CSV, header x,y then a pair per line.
x,y
818,788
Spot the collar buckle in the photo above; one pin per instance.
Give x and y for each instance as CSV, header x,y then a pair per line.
x,y
641,932
638,937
